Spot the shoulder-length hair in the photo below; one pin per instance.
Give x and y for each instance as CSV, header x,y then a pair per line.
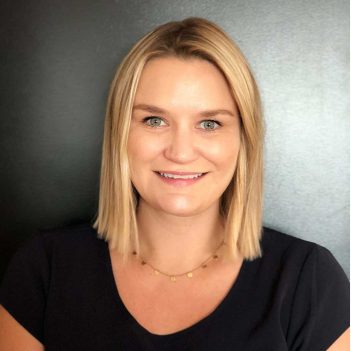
x,y
241,203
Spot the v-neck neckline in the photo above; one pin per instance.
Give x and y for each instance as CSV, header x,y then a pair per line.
x,y
233,291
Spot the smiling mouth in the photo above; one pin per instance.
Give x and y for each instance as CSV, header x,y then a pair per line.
x,y
180,179
181,176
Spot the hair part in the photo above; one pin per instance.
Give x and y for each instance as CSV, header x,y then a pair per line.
x,y
241,203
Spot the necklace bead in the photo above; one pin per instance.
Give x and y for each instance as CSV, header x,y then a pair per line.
x,y
189,274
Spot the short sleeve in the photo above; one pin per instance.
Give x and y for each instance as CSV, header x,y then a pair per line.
x,y
25,286
321,305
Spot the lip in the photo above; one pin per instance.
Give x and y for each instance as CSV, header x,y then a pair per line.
x,y
180,182
179,172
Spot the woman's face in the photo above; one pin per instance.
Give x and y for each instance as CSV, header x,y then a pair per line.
x,y
184,136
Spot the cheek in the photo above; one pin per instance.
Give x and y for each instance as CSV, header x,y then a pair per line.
x,y
224,152
142,149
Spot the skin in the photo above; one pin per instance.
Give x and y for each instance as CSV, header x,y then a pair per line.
x,y
181,226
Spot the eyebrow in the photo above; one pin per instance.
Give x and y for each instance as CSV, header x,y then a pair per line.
x,y
207,113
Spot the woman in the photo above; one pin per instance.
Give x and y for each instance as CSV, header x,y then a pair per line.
x,y
185,263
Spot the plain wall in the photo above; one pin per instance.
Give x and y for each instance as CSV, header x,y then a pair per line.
x,y
57,61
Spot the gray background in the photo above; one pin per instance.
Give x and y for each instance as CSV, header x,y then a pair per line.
x,y
58,58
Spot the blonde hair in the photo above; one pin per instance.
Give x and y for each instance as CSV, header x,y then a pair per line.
x,y
241,203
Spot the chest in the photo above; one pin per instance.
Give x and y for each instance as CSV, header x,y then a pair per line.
x,y
164,307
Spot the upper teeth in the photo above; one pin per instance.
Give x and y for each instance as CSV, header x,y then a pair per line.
x,y
177,176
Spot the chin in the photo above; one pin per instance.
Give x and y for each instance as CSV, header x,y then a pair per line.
x,y
180,209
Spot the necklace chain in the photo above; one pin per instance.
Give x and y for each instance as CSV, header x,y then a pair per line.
x,y
189,274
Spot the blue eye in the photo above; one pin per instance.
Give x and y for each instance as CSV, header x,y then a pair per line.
x,y
153,121
210,124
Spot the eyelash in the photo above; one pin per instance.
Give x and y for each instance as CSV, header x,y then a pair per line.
x,y
147,119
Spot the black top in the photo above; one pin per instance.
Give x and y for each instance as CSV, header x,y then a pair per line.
x,y
60,287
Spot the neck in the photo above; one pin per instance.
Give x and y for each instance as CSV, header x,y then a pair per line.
x,y
176,244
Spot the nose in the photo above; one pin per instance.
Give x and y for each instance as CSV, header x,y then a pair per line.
x,y
181,146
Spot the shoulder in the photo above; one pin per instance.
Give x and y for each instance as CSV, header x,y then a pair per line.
x,y
274,240
67,237
51,256
66,244
277,245
301,263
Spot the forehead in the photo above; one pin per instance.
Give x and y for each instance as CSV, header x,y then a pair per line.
x,y
177,82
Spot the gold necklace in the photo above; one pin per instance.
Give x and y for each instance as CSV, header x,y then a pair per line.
x,y
189,274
